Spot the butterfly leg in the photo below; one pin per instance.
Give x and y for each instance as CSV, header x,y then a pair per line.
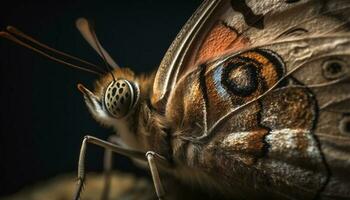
x,y
107,167
107,145
152,159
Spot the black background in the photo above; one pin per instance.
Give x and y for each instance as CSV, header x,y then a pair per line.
x,y
43,117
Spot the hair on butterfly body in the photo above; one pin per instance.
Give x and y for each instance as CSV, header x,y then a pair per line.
x,y
251,101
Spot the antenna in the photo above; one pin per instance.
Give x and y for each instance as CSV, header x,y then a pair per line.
x,y
99,48
12,38
17,32
88,33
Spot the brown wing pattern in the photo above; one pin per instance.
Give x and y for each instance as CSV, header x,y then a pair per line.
x,y
263,100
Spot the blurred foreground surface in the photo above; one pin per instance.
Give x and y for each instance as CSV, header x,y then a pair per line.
x,y
123,187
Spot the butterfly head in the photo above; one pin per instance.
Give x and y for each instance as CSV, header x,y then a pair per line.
x,y
115,98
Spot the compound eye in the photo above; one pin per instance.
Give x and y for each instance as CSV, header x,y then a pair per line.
x,y
120,97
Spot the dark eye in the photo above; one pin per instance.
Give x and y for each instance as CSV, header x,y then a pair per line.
x,y
292,1
334,69
344,125
120,97
240,78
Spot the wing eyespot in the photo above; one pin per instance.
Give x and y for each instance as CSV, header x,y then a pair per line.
x,y
252,73
344,125
240,78
334,69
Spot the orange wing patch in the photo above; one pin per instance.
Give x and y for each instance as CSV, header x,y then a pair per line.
x,y
220,39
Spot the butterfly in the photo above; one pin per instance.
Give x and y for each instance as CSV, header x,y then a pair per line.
x,y
251,101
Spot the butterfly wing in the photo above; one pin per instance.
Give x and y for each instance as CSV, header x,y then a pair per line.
x,y
258,93
197,41
294,129
220,26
